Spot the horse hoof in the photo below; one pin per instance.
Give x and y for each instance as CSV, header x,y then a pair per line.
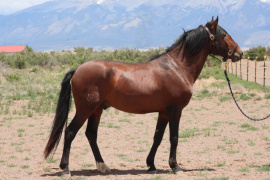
x,y
152,170
177,169
102,167
66,175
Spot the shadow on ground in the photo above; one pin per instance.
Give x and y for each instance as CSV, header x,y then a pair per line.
x,y
119,172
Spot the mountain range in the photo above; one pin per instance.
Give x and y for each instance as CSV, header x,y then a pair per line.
x,y
110,24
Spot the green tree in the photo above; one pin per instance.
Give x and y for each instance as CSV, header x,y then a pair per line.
x,y
29,49
268,50
254,52
20,61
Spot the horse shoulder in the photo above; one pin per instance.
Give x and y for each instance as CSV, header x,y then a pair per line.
x,y
175,82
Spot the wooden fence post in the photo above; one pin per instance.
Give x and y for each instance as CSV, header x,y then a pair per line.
x,y
247,67
232,66
236,68
240,69
256,68
264,70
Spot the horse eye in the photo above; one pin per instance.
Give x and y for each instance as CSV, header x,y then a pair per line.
x,y
224,35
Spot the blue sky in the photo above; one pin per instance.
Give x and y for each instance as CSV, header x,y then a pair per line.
x,y
11,6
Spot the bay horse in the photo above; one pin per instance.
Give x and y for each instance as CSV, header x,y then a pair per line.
x,y
162,85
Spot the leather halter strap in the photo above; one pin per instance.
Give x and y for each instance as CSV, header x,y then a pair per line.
x,y
230,51
212,36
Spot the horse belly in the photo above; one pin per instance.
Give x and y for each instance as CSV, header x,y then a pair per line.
x,y
136,104
136,97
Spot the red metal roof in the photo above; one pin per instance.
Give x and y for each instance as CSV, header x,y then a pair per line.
x,y
11,49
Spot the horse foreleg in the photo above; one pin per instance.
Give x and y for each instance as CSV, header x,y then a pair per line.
x,y
174,120
91,134
160,128
70,134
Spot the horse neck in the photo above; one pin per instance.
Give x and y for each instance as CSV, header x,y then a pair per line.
x,y
191,65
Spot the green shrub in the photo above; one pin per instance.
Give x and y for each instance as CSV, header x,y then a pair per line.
x,y
188,133
244,97
267,96
13,77
224,98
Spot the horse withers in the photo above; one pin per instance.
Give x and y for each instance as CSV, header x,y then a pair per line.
x,y
162,85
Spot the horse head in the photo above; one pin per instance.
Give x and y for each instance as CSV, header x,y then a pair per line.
x,y
222,43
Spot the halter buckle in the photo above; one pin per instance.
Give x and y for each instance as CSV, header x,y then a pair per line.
x,y
230,52
212,37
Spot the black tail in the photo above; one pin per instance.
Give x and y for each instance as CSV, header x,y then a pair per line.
x,y
61,115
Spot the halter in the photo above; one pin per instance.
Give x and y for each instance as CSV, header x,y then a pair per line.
x,y
230,51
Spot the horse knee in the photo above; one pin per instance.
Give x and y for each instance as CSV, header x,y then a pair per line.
x,y
174,140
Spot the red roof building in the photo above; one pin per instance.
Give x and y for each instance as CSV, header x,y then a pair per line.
x,y
12,49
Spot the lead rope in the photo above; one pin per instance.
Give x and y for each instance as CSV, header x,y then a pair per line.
x,y
229,84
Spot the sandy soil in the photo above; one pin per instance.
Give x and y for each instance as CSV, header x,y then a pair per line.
x,y
222,144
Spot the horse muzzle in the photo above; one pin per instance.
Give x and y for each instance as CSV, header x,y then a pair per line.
x,y
237,56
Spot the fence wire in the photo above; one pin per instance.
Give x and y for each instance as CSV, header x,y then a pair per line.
x,y
250,70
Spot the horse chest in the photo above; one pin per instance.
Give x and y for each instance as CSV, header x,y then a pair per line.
x,y
180,94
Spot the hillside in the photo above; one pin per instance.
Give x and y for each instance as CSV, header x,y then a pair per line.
x,y
62,24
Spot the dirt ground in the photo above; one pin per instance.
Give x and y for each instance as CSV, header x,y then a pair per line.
x,y
216,142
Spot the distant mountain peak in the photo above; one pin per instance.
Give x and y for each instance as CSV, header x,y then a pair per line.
x,y
64,24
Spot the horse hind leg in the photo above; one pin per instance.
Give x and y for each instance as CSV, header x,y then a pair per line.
x,y
91,134
70,134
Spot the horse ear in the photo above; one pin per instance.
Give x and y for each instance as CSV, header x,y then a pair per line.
x,y
214,25
217,20
212,19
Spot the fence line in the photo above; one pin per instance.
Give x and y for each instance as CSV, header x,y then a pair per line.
x,y
250,70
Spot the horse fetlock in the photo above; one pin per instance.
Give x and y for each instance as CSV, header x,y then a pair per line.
x,y
172,163
149,161
102,167
63,166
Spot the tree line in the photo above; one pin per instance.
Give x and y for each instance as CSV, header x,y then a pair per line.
x,y
80,55
76,57
258,52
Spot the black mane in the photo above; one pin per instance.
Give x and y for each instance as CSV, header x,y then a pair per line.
x,y
192,41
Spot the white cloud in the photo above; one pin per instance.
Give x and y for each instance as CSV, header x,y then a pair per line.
x,y
100,1
266,1
9,7
258,38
